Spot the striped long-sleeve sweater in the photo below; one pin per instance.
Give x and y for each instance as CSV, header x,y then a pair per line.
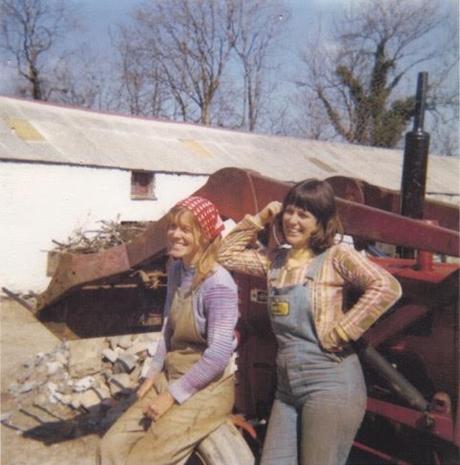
x,y
343,267
215,306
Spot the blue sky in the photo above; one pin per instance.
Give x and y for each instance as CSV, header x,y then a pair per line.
x,y
99,16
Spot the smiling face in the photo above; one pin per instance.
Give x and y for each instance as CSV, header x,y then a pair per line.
x,y
183,237
298,226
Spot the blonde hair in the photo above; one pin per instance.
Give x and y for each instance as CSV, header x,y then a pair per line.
x,y
206,255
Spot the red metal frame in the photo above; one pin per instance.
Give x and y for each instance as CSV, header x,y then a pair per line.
x,y
237,192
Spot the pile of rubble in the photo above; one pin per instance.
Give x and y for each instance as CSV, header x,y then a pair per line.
x,y
82,385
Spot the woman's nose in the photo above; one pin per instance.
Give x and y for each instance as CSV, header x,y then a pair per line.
x,y
292,219
174,233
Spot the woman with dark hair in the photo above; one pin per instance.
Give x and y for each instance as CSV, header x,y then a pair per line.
x,y
320,394
189,390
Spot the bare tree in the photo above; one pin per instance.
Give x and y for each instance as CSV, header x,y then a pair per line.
x,y
31,32
206,61
357,79
84,79
142,88
256,26
189,43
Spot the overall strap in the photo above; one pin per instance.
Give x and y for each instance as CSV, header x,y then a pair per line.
x,y
315,266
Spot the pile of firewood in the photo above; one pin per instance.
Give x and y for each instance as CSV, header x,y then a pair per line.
x,y
109,234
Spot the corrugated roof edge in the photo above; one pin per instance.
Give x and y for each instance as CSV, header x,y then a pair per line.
x,y
195,125
102,167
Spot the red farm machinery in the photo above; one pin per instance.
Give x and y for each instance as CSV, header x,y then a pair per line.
x,y
410,356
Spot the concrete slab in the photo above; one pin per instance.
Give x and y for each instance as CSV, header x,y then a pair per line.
x,y
21,338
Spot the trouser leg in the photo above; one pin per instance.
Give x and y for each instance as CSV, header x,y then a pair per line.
x,y
328,427
280,446
118,441
171,440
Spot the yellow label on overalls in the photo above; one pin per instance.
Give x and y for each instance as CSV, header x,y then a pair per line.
x,y
280,308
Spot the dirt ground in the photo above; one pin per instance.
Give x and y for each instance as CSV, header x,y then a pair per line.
x,y
21,337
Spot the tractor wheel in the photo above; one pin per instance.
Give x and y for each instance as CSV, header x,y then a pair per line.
x,y
224,446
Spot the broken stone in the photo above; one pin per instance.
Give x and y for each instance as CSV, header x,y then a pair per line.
x,y
13,388
113,342
122,342
55,397
53,367
138,347
27,387
135,374
51,386
24,375
55,392
41,400
66,399
4,417
125,341
29,365
61,358
85,357
128,361
75,401
110,355
102,392
66,388
120,382
39,357
84,384
89,399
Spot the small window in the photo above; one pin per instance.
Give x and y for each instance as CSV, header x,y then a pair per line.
x,y
142,185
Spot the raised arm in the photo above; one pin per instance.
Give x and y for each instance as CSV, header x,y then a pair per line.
x,y
234,253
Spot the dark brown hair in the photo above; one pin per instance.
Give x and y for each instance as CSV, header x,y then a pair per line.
x,y
317,197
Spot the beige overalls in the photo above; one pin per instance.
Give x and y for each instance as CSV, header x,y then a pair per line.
x,y
171,439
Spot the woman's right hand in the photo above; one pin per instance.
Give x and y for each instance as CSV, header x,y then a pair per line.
x,y
145,387
268,213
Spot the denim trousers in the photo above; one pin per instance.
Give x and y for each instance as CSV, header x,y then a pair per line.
x,y
320,429
320,399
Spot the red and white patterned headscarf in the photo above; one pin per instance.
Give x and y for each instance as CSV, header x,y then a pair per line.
x,y
206,214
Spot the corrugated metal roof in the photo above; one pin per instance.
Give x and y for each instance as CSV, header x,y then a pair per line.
x,y
71,136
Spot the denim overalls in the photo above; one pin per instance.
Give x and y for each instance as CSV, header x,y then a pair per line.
x,y
321,396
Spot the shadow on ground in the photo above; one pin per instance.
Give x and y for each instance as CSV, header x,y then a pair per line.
x,y
97,420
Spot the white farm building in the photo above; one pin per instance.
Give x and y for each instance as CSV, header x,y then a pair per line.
x,y
62,169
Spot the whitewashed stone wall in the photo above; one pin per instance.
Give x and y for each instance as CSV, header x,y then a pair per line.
x,y
40,202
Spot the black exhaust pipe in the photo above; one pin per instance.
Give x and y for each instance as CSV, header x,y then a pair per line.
x,y
416,148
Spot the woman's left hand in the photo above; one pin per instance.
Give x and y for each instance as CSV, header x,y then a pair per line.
x,y
160,405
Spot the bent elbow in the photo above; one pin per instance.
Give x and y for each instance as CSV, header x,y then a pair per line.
x,y
395,290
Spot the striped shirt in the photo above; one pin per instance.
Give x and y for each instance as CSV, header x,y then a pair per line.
x,y
215,306
343,268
